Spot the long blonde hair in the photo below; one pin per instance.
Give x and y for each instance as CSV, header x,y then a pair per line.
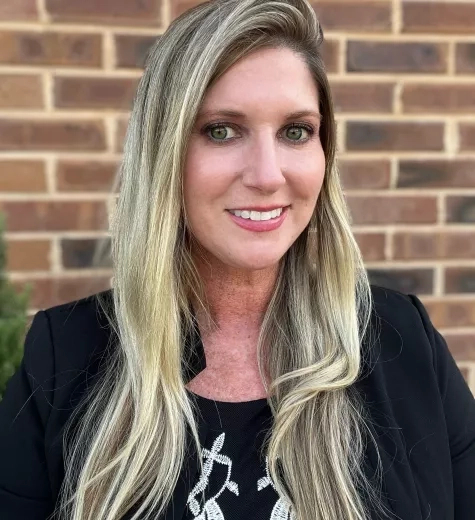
x,y
128,444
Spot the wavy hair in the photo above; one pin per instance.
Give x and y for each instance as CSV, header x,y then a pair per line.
x,y
128,443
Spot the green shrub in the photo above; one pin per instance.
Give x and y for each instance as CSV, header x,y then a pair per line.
x,y
13,319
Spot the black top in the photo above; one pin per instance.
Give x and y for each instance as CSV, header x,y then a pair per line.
x,y
422,413
235,482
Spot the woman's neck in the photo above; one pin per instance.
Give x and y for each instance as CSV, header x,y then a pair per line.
x,y
236,297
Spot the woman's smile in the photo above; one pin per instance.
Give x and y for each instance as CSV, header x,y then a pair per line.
x,y
253,221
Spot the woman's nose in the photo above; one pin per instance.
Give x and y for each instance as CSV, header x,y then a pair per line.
x,y
264,168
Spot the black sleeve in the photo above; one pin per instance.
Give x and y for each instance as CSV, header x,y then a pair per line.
x,y
459,407
25,492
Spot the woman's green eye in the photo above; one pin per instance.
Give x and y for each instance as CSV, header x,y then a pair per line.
x,y
219,133
297,132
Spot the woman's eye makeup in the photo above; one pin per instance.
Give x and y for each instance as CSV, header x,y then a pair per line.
x,y
218,133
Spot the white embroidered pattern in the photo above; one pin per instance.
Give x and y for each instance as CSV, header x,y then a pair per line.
x,y
282,510
211,509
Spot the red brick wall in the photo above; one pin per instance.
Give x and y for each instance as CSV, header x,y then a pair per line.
x,y
403,77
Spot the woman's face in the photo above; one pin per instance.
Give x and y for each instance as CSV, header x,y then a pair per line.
x,y
252,177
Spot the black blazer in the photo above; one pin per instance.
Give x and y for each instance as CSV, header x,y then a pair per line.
x,y
422,411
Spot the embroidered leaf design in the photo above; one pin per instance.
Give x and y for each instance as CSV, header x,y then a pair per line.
x,y
213,511
194,506
280,511
218,444
262,483
232,486
223,459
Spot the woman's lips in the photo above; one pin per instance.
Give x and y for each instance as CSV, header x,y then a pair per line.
x,y
259,225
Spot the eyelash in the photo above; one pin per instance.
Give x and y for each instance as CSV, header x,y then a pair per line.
x,y
310,129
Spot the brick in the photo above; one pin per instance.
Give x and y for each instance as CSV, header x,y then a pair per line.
x,y
435,99
365,174
434,245
414,281
78,135
438,17
457,244
79,254
436,173
47,292
459,280
410,246
371,245
19,91
132,50
54,215
50,48
18,10
91,176
461,346
22,176
465,58
330,54
363,97
116,12
41,295
394,210
120,132
356,17
467,136
383,56
94,93
28,255
460,209
394,136
72,289
451,313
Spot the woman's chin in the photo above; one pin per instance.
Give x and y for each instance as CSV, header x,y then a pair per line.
x,y
256,262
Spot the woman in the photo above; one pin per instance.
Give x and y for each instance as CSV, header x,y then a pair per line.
x,y
241,367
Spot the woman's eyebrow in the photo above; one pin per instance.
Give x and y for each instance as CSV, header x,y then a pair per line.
x,y
240,115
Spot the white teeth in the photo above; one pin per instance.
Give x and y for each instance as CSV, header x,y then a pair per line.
x,y
257,215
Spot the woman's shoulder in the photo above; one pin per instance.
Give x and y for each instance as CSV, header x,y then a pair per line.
x,y
404,353
401,322
420,408
392,304
79,330
64,349
82,325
